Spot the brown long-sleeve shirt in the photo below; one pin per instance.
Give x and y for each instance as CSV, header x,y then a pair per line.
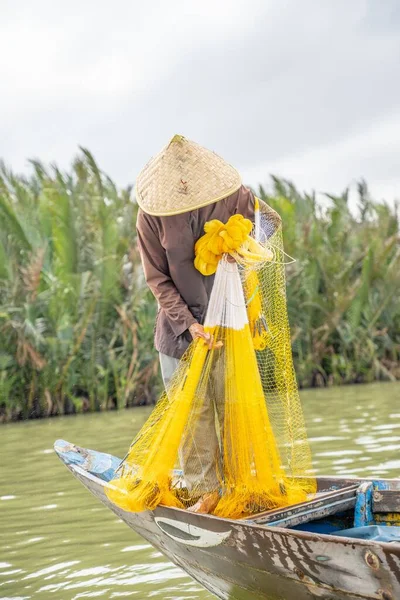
x,y
166,246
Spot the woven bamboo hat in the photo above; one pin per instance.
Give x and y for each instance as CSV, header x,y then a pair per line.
x,y
182,177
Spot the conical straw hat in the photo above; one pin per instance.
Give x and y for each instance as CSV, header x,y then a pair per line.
x,y
182,177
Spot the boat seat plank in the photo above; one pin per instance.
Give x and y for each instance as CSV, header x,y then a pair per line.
x,y
386,501
324,505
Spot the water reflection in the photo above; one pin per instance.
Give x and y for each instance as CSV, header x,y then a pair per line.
x,y
56,541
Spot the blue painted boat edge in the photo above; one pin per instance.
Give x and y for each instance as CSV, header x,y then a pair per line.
x,y
101,464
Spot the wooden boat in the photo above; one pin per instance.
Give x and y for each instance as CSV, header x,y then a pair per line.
x,y
344,544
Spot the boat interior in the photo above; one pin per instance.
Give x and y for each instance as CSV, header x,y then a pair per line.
x,y
355,508
345,507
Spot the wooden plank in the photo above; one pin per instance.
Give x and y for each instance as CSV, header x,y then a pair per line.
x,y
316,513
363,509
386,501
323,505
325,482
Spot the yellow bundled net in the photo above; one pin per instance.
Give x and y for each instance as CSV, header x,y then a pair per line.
x,y
230,421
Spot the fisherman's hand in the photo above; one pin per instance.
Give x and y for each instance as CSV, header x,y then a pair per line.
x,y
198,331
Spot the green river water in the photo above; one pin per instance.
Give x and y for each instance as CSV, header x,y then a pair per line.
x,y
57,542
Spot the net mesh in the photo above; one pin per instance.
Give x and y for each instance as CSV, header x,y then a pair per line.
x,y
230,421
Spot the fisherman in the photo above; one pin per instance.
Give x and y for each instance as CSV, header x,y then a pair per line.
x,y
178,191
231,414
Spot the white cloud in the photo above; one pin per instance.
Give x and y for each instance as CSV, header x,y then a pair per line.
x,y
307,89
371,154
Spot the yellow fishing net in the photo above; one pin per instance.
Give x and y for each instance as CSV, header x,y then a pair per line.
x,y
230,420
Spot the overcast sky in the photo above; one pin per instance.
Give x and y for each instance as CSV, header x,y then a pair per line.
x,y
305,89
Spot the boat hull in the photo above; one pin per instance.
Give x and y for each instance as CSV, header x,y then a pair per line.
x,y
245,561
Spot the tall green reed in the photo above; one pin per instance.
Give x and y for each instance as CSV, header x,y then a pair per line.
x,y
76,318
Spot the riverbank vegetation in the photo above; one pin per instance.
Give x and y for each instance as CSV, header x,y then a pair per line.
x,y
76,319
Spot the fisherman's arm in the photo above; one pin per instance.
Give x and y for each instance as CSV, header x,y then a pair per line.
x,y
158,278
156,272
